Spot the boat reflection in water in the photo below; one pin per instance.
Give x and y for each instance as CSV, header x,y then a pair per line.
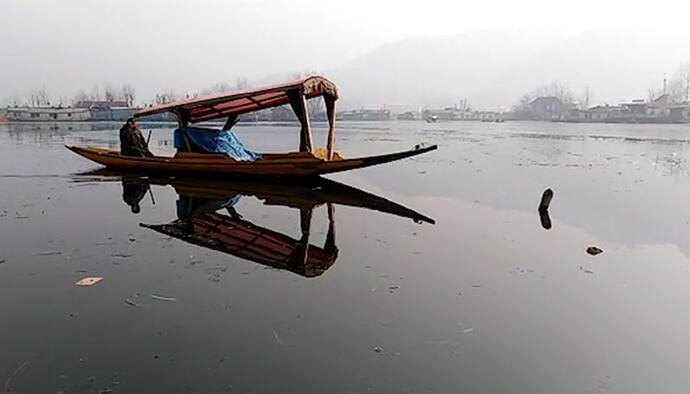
x,y
206,217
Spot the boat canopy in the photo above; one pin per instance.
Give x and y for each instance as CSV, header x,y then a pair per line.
x,y
231,105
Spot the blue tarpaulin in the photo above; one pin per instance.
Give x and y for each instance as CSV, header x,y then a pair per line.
x,y
214,141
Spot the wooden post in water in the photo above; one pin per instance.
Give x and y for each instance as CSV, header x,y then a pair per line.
x,y
329,245
544,209
546,200
182,118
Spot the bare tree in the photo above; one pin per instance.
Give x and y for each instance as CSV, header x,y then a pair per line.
x,y
220,87
464,105
241,83
42,97
167,96
679,84
80,97
587,97
111,94
128,93
652,95
555,89
95,93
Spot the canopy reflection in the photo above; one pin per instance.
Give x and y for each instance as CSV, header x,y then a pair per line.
x,y
206,216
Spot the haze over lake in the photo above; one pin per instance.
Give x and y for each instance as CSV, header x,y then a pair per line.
x,y
344,196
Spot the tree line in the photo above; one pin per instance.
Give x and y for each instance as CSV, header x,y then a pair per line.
x,y
677,88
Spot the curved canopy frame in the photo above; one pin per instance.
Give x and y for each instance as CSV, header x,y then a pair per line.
x,y
231,105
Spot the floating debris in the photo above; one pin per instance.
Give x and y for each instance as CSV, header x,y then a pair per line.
x,y
586,271
468,330
123,255
132,300
277,338
545,219
8,382
2,261
88,281
546,199
593,250
544,209
48,253
163,298
378,349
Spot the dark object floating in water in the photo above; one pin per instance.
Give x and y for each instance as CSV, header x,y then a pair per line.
x,y
545,219
593,250
48,253
88,281
586,271
546,200
544,209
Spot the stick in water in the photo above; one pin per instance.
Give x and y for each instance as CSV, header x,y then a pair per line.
x,y
546,200
8,383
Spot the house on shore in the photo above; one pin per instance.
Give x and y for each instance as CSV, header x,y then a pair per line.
x,y
660,110
47,114
364,115
408,115
104,110
455,113
544,108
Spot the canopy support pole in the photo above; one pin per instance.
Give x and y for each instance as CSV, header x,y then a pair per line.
x,y
329,245
182,118
330,112
232,121
299,104
302,252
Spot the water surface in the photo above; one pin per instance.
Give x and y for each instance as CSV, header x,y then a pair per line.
x,y
484,300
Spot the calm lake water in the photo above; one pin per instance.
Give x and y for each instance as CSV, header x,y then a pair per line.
x,y
484,300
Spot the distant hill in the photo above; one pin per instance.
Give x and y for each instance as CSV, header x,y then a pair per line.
x,y
494,67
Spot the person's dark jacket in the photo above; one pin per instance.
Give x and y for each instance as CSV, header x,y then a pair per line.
x,y
132,142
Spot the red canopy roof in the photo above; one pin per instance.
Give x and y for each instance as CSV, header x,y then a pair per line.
x,y
199,109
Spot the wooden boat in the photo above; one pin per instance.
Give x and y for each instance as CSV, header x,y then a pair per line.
x,y
308,161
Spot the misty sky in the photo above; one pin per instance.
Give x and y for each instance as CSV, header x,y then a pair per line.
x,y
70,45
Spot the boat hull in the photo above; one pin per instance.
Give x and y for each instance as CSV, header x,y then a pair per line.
x,y
272,165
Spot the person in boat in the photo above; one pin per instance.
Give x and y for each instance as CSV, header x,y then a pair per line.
x,y
132,142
